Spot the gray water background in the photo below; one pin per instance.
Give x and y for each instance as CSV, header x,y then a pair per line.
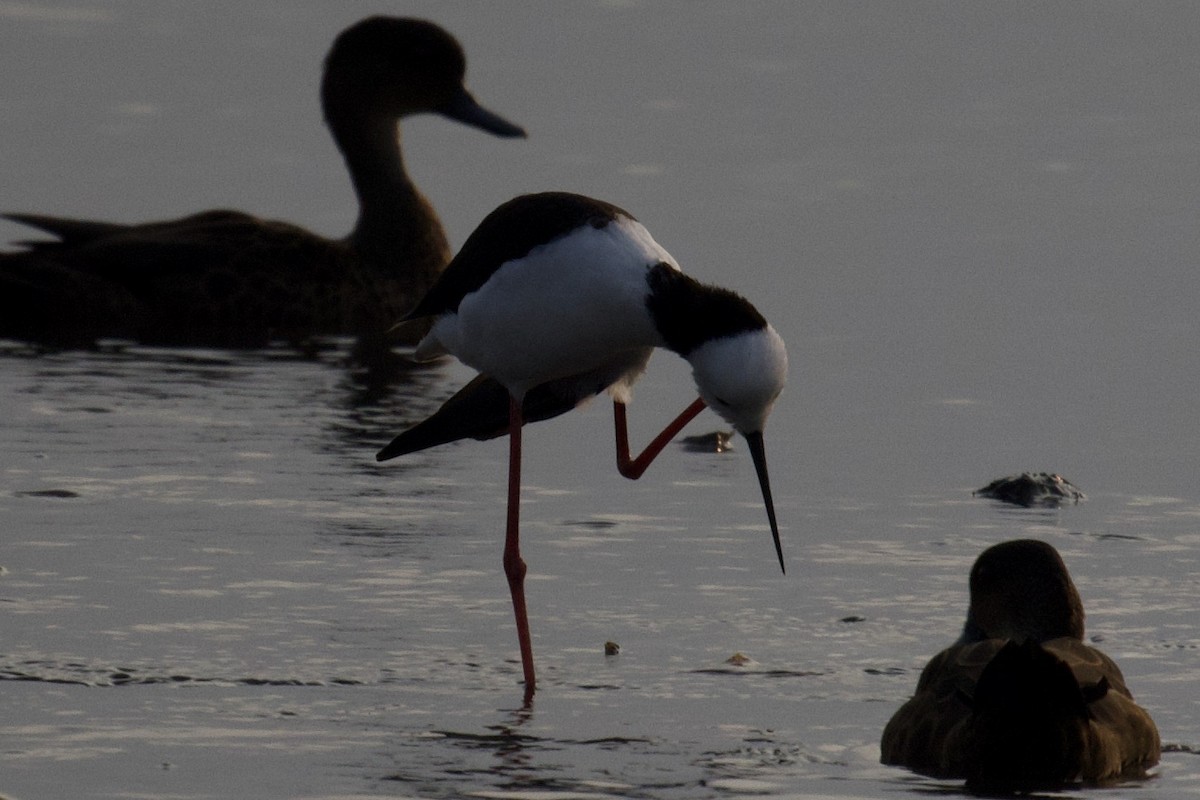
x,y
974,225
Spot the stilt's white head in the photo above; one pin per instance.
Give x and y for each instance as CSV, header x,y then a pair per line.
x,y
740,376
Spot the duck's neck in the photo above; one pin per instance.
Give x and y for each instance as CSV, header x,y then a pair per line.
x,y
397,228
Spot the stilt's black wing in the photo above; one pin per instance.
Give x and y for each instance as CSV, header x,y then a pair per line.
x,y
479,410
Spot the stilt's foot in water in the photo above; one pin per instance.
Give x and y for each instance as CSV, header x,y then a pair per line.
x,y
514,569
514,565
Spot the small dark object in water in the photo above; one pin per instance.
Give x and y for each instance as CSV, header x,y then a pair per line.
x,y
715,442
1020,703
1030,489
611,648
58,494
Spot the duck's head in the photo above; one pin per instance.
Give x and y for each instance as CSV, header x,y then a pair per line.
x,y
1021,590
393,66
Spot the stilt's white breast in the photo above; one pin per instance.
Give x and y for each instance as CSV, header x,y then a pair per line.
x,y
566,308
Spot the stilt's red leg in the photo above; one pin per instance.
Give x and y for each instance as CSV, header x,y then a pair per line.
x,y
633,468
514,565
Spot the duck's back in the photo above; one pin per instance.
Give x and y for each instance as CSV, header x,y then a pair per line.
x,y
219,278
1006,715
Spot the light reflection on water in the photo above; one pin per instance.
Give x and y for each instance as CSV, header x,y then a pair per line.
x,y
217,573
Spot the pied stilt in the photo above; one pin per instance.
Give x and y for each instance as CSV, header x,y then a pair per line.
x,y
557,297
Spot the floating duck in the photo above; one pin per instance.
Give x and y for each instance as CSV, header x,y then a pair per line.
x,y
229,279
1020,703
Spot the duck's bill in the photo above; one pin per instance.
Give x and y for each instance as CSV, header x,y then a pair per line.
x,y
759,454
463,108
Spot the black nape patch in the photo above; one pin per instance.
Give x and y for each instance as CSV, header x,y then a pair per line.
x,y
688,313
508,233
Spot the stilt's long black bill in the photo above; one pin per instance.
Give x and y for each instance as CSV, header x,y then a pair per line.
x,y
759,454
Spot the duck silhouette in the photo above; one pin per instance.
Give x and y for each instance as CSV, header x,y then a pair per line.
x,y
229,279
1020,703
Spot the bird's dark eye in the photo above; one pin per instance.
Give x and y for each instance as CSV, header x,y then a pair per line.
x,y
720,401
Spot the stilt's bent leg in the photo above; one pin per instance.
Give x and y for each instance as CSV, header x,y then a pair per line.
x,y
633,468
514,565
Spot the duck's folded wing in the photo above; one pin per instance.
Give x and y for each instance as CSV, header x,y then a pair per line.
x,y
1122,739
917,734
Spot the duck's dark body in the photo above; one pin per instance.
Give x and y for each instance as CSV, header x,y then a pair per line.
x,y
220,278
1015,716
